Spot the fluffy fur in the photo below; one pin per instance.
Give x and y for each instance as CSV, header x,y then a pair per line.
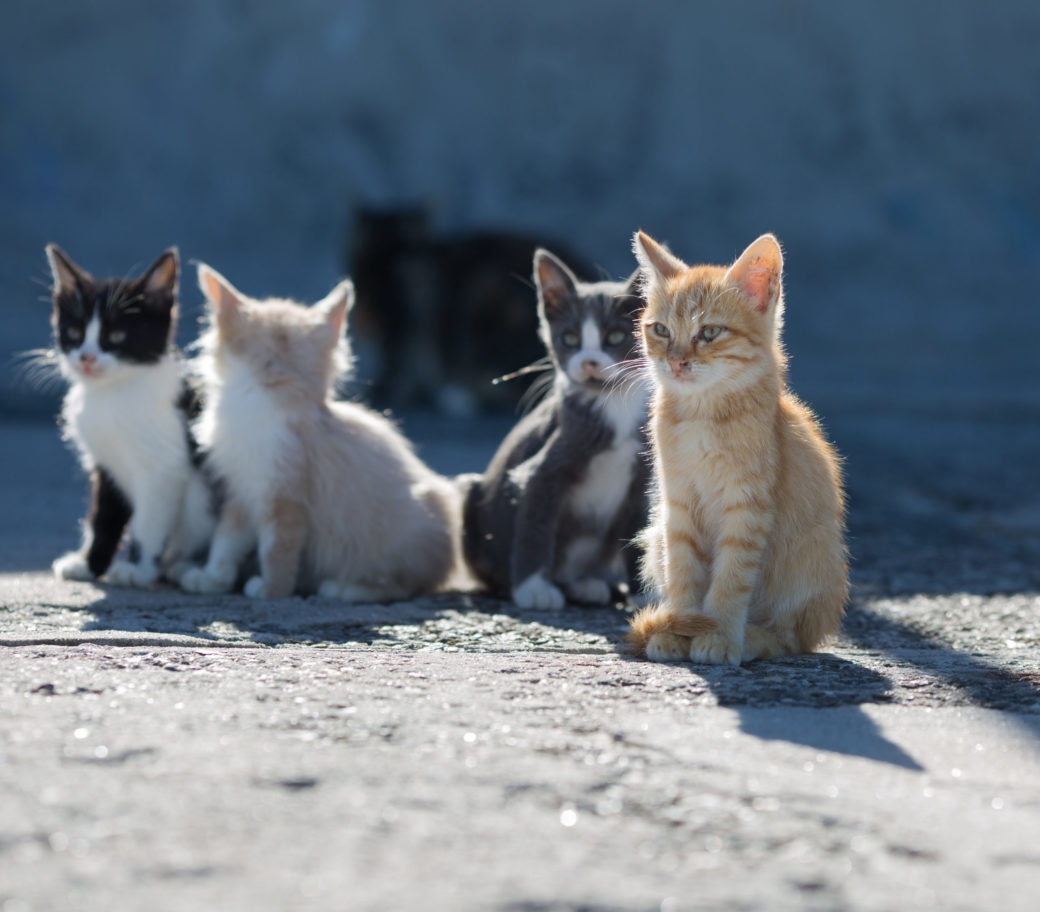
x,y
746,546
125,412
329,493
553,515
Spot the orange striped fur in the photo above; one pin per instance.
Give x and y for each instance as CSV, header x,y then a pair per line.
x,y
745,550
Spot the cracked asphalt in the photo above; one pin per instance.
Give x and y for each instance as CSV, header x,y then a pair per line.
x,y
172,751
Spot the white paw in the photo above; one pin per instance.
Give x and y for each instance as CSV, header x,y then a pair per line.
x,y
72,566
254,587
590,592
199,579
537,592
124,573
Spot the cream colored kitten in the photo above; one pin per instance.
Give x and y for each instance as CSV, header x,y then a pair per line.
x,y
328,492
746,545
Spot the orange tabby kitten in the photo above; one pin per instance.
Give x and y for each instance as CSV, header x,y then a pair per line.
x,y
746,548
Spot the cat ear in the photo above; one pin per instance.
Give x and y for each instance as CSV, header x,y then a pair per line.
x,y
555,282
67,275
657,262
162,275
223,298
335,306
757,272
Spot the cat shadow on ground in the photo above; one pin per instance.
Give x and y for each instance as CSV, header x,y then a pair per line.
x,y
234,619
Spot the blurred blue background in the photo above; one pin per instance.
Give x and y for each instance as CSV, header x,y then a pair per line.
x,y
893,147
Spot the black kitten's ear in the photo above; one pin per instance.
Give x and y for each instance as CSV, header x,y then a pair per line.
x,y
556,283
634,285
162,276
67,275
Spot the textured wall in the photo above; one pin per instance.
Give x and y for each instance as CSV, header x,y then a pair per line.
x,y
893,147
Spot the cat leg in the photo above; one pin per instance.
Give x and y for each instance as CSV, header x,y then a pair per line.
x,y
103,530
738,559
281,539
193,532
682,557
152,524
233,539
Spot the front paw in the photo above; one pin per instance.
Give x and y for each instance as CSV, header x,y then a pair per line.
x,y
200,580
537,592
139,576
72,566
665,646
590,592
257,588
715,648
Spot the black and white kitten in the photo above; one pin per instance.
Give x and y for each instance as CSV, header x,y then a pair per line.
x,y
566,492
126,411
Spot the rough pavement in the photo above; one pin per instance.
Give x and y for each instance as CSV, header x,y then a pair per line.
x,y
161,749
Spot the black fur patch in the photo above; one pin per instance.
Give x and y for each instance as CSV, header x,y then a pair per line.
x,y
109,513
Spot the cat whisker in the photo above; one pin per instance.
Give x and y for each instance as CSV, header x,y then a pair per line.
x,y
535,393
542,364
38,369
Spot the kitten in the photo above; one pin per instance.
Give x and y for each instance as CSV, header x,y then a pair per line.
x,y
746,544
126,411
440,309
329,493
566,491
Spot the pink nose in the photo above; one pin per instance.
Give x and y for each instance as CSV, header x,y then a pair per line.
x,y
590,367
677,365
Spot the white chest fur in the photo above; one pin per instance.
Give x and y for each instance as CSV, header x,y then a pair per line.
x,y
244,429
609,473
131,428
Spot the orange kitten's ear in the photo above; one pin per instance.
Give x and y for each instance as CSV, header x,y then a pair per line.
x,y
757,272
335,306
223,298
162,275
67,275
555,282
657,262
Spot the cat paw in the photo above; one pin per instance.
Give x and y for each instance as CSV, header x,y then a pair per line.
x,y
590,592
200,580
665,646
348,592
139,576
72,566
537,592
256,587
715,648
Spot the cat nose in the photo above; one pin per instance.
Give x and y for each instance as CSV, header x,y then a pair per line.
x,y
678,365
86,358
590,367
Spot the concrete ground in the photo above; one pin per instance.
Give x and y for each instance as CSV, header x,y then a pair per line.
x,y
166,751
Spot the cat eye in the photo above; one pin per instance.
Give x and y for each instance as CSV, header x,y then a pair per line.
x,y
708,333
73,334
616,337
117,336
571,339
659,330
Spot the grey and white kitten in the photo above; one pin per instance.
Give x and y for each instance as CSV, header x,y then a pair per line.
x,y
552,517
127,413
329,493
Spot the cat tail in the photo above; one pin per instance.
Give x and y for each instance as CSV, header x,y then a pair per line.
x,y
666,624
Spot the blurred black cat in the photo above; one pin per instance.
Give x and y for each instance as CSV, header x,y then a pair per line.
x,y
453,311
567,490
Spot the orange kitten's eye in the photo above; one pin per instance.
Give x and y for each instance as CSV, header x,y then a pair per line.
x,y
116,336
710,332
570,339
659,330
616,337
